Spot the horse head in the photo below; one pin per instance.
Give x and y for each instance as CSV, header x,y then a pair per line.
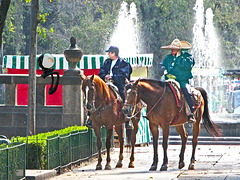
x,y
88,88
131,97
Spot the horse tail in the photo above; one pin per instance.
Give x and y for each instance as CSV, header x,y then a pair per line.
x,y
209,125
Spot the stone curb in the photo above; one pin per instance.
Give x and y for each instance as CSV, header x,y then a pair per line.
x,y
40,174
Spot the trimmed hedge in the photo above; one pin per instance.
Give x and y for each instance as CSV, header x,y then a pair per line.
x,y
36,146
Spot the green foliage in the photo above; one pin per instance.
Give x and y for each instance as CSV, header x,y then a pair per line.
x,y
43,136
226,17
161,22
92,23
12,161
43,17
37,146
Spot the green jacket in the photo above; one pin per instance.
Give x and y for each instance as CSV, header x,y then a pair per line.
x,y
180,66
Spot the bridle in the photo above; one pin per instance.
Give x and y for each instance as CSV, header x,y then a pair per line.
x,y
164,90
131,106
90,107
93,104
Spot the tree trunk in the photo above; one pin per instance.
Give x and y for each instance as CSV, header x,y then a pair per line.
x,y
31,128
4,6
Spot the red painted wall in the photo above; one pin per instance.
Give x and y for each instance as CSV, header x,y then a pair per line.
x,y
54,99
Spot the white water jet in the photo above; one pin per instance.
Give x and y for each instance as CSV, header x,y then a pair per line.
x,y
198,39
125,35
211,41
206,53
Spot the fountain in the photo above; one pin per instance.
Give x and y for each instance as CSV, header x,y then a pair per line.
x,y
125,35
207,55
212,51
198,39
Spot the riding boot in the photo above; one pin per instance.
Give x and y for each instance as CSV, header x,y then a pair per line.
x,y
128,125
88,121
191,117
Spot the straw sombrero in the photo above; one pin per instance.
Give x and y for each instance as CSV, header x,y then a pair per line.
x,y
178,45
186,45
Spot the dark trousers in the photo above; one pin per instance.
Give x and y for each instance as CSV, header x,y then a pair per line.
x,y
188,98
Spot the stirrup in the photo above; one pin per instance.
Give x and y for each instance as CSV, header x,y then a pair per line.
x,y
128,125
191,119
89,123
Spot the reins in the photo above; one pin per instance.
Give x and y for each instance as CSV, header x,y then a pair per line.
x,y
164,90
101,108
134,115
96,109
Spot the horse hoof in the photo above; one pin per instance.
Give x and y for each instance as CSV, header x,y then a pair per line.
x,y
181,165
131,165
153,168
99,167
119,165
108,167
164,168
191,167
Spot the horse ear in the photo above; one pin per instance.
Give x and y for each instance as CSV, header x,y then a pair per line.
x,y
127,81
82,77
92,77
136,83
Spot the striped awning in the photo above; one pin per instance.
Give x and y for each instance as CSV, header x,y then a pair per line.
x,y
87,61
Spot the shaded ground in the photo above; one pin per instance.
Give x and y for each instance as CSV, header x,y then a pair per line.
x,y
212,162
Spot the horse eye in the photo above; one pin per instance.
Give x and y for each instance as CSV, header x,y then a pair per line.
x,y
133,92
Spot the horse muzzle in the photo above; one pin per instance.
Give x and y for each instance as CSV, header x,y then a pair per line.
x,y
127,109
90,107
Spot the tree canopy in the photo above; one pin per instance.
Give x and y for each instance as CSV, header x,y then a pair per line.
x,y
92,22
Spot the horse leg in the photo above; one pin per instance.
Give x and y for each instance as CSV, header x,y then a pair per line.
x,y
119,130
182,132
196,131
155,134
133,141
99,146
108,146
165,130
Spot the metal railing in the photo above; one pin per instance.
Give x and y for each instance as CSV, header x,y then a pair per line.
x,y
13,161
68,149
60,151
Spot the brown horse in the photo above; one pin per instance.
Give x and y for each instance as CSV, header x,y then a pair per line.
x,y
162,109
104,105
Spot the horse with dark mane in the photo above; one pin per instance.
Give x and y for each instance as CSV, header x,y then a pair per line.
x,y
106,110
163,111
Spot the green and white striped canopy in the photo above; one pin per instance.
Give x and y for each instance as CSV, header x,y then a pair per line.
x,y
87,61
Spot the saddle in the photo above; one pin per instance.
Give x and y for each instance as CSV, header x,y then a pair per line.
x,y
195,94
115,91
117,95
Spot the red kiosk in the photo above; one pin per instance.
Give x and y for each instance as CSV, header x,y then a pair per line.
x,y
90,64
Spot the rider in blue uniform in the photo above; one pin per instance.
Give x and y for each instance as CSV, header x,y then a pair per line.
x,y
178,66
117,70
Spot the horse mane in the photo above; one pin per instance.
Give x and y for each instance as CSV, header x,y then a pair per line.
x,y
102,88
153,82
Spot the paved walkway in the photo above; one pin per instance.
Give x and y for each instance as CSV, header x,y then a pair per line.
x,y
218,162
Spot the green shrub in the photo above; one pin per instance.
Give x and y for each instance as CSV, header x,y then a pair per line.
x,y
36,146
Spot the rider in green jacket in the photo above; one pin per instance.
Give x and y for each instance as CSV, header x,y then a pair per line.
x,y
178,66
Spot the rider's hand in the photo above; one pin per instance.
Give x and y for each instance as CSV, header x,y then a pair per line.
x,y
108,77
